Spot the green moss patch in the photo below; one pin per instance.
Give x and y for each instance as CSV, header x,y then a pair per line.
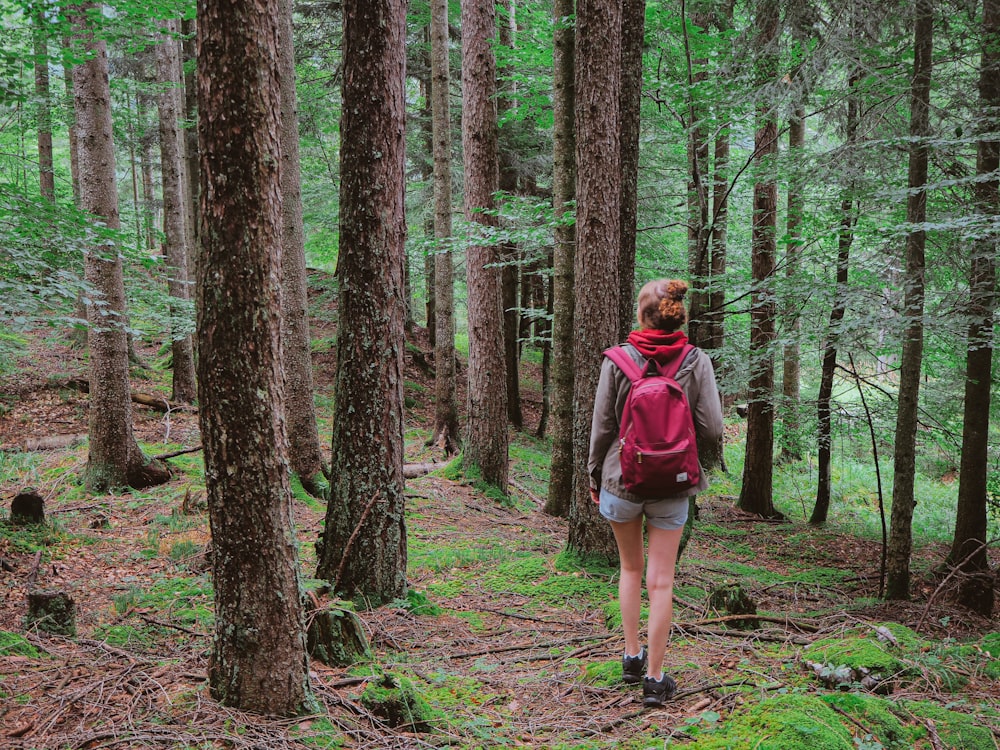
x,y
781,722
955,731
14,644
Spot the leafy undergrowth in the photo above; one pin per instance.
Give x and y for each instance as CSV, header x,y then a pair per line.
x,y
505,639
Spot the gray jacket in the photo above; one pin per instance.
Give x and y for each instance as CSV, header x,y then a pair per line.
x,y
696,376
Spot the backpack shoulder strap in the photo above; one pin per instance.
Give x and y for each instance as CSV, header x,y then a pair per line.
x,y
674,367
625,363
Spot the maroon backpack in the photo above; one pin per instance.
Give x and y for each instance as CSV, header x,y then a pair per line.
x,y
659,451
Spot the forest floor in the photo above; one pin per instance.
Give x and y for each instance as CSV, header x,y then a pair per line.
x,y
506,640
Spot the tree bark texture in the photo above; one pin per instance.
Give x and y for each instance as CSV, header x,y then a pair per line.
x,y
564,193
300,409
486,443
446,430
630,100
258,660
114,460
756,493
175,248
968,549
904,457
598,238
363,550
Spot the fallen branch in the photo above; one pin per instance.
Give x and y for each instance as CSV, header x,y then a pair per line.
x,y
174,454
804,627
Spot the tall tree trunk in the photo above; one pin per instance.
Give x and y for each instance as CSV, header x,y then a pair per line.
x,y
598,235
563,194
259,651
630,105
363,549
74,158
446,432
46,173
303,434
146,139
174,206
968,549
756,494
511,271
487,442
791,448
191,158
699,263
114,460
848,220
904,466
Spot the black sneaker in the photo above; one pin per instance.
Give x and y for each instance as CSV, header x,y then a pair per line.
x,y
634,667
657,692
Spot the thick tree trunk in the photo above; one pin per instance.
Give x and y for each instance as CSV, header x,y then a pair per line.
x,y
446,430
487,442
630,100
758,467
564,193
258,658
303,435
174,203
114,460
598,234
904,466
968,549
363,549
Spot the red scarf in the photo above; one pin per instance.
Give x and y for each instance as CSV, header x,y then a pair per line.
x,y
660,345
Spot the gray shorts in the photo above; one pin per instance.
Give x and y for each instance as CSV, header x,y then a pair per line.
x,y
666,514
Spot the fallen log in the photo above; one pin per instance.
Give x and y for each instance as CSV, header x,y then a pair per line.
x,y
412,471
153,402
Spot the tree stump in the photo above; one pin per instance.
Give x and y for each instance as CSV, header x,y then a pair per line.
x,y
335,634
731,599
27,507
52,611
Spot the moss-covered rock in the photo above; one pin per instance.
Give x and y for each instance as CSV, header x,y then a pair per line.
x,y
396,700
935,726
782,722
871,656
881,725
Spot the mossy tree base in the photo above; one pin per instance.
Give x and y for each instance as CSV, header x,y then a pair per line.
x,y
52,611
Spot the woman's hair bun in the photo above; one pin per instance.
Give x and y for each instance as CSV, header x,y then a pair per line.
x,y
676,289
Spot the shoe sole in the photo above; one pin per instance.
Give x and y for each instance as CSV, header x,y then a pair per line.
x,y
631,679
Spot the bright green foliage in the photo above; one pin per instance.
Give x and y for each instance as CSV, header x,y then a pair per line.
x,y
14,644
